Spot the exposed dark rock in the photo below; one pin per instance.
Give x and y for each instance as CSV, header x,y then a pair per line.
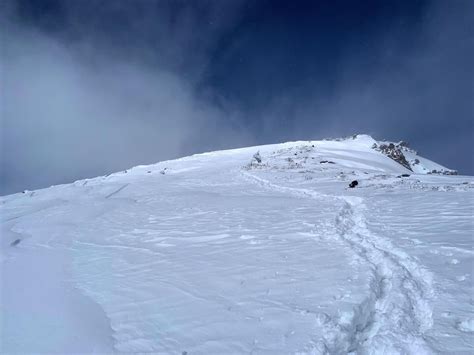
x,y
15,242
353,184
443,172
394,152
257,157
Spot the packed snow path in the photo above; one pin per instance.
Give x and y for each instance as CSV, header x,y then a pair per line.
x,y
396,312
216,255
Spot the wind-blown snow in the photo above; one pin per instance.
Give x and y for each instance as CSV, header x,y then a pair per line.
x,y
217,253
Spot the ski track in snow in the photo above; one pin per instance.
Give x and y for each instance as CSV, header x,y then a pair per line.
x,y
396,313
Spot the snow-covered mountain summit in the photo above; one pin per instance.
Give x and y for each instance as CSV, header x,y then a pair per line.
x,y
253,250
362,146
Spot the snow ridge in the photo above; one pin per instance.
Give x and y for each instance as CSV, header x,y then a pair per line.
x,y
397,311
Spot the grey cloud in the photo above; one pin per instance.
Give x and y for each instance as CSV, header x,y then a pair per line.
x,y
67,115
419,88
79,102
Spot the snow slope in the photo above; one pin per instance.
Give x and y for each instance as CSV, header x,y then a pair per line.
x,y
218,254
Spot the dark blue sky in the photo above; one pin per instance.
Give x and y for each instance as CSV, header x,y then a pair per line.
x,y
97,86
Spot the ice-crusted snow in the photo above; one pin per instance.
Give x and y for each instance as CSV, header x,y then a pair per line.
x,y
220,254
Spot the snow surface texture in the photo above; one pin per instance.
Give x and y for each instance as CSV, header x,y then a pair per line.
x,y
218,253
